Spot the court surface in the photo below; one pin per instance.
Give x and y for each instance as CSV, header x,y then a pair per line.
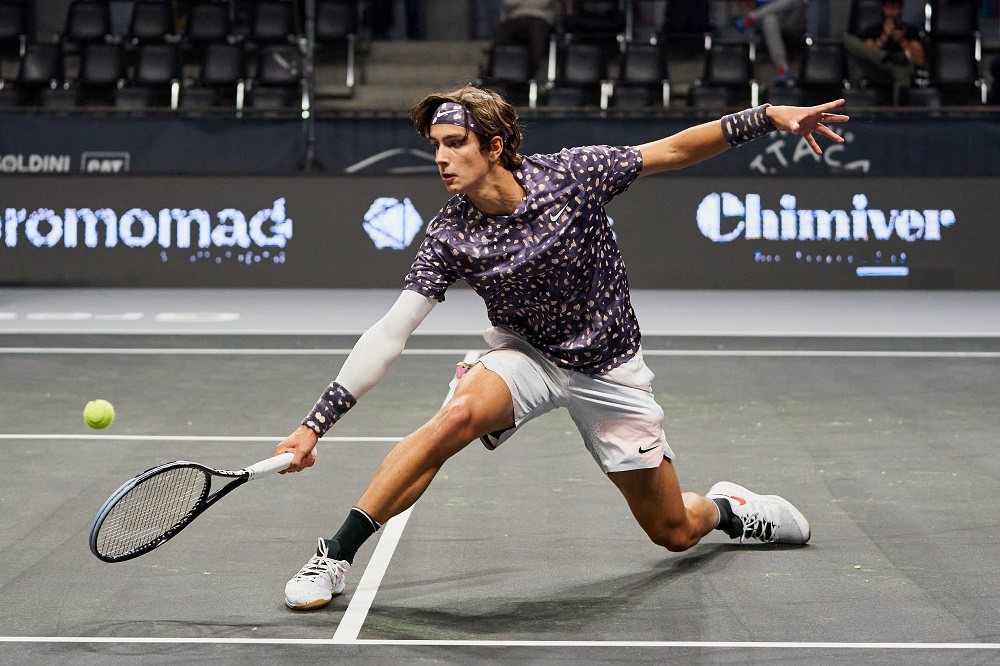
x,y
881,429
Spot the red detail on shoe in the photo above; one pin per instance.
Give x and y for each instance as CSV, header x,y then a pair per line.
x,y
738,499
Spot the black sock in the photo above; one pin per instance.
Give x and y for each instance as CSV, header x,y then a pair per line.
x,y
729,522
354,532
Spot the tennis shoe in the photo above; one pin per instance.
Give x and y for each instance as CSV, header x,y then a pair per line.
x,y
766,518
317,582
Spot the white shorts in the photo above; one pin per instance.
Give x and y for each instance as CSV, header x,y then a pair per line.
x,y
621,424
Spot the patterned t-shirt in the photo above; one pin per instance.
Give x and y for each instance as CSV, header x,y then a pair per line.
x,y
551,271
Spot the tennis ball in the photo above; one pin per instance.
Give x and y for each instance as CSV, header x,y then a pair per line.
x,y
98,414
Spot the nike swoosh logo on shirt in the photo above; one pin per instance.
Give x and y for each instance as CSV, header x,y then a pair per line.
x,y
642,450
555,216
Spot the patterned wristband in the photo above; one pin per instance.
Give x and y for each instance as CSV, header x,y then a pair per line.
x,y
331,406
747,125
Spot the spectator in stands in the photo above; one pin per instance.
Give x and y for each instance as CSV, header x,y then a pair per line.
x,y
891,51
529,22
773,17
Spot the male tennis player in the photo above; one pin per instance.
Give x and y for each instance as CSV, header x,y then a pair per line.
x,y
530,236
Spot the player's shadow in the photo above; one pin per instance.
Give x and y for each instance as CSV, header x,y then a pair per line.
x,y
564,610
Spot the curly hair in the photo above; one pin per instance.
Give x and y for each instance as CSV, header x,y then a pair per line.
x,y
490,111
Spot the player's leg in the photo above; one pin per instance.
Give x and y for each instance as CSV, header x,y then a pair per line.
x,y
481,404
672,519
677,521
622,427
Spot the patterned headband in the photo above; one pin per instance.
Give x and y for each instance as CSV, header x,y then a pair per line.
x,y
452,113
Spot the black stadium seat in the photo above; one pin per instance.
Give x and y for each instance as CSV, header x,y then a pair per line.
x,y
207,22
87,21
278,81
510,72
581,79
221,80
102,72
337,33
152,21
644,78
273,21
155,80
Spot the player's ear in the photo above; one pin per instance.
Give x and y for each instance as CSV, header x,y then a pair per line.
x,y
496,148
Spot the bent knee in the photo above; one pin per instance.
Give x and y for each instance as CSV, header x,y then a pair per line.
x,y
675,540
458,421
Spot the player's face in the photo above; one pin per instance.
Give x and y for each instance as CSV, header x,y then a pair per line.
x,y
461,162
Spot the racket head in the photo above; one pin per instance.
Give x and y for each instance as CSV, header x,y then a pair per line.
x,y
148,510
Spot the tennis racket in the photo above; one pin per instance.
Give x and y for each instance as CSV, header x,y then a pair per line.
x,y
152,508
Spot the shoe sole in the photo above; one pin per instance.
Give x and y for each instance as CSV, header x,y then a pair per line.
x,y
727,488
312,605
319,603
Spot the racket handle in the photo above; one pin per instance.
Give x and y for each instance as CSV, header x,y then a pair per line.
x,y
271,465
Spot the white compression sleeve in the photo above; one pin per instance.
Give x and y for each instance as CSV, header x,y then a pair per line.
x,y
376,350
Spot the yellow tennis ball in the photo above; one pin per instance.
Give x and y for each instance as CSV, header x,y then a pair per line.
x,y
98,414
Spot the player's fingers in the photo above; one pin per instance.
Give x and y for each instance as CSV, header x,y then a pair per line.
x,y
829,133
830,105
833,118
812,144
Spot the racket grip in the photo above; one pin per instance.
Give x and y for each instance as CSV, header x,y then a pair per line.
x,y
271,465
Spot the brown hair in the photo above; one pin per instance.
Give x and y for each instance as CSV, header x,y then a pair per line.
x,y
490,111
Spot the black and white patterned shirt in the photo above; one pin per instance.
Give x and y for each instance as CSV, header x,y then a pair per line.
x,y
550,272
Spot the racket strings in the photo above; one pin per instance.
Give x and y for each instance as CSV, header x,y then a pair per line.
x,y
151,509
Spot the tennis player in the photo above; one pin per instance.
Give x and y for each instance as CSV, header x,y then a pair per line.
x,y
529,234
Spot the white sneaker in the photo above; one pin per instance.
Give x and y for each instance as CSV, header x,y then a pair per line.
x,y
317,582
767,518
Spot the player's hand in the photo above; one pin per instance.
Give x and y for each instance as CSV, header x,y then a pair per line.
x,y
807,120
302,444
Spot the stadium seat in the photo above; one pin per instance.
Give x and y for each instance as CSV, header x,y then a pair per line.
x,y
41,79
155,81
955,51
582,78
151,21
337,31
644,78
273,22
729,66
13,28
785,95
858,97
708,98
87,21
823,73
596,22
510,72
221,80
278,81
207,22
102,73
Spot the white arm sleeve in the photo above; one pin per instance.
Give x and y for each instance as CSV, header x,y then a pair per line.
x,y
376,350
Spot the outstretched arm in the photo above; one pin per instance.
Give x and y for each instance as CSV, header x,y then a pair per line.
x,y
701,142
366,365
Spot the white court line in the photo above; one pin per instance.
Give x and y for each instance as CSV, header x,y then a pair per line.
x,y
168,351
364,595
185,438
819,353
801,353
478,332
769,645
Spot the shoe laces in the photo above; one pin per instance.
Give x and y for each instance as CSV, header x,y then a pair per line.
x,y
319,564
760,524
